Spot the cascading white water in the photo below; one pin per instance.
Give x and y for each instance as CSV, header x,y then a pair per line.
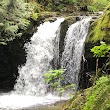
x,y
40,52
74,44
30,88
55,62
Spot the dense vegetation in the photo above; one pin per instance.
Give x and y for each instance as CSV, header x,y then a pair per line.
x,y
100,28
95,98
16,17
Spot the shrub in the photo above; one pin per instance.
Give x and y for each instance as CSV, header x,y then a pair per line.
x,y
54,78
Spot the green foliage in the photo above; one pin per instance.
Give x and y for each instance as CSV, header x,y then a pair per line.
x,y
92,9
97,5
54,78
53,75
102,80
70,1
85,2
100,51
34,16
95,98
98,98
69,86
99,30
14,19
100,4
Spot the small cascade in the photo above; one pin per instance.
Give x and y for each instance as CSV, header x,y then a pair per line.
x,y
74,45
40,52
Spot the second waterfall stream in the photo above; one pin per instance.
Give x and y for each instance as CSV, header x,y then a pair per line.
x,y
73,50
30,88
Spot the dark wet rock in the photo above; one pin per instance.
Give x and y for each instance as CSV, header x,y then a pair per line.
x,y
12,56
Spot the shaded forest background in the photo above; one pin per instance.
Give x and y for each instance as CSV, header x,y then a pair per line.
x,y
16,16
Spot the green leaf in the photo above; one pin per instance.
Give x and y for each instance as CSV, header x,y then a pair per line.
x,y
100,51
3,43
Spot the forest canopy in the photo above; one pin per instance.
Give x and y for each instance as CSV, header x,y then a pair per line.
x,y
17,15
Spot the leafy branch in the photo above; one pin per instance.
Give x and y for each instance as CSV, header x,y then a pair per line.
x,y
102,50
54,78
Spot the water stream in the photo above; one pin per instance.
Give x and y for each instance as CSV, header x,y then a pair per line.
x,y
39,55
30,88
73,50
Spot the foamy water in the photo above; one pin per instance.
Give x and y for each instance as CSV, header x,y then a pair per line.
x,y
30,84
15,101
30,88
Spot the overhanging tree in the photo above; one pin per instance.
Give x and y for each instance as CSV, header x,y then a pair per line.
x,y
14,21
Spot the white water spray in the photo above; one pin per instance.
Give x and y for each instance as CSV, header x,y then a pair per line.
x,y
30,88
74,45
39,55
40,52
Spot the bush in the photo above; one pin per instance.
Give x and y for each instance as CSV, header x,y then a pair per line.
x,y
54,78
92,9
14,15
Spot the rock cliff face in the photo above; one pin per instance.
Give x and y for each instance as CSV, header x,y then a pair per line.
x,y
12,55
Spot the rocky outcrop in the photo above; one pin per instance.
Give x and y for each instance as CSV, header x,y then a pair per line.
x,y
12,56
100,29
64,28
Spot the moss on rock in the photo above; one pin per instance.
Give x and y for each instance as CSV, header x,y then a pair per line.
x,y
95,98
100,29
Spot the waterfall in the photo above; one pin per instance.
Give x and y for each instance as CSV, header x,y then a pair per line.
x,y
74,45
40,52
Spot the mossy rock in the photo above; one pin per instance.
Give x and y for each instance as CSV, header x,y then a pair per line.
x,y
64,28
95,98
100,29
78,101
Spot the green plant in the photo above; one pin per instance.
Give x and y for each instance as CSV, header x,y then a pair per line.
x,y
14,19
73,1
54,78
100,4
100,51
34,16
92,9
98,99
